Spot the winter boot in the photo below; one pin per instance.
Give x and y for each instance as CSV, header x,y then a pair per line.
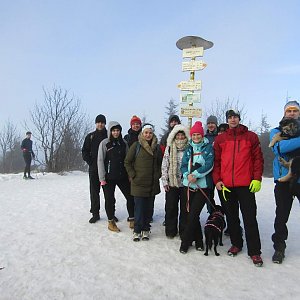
x,y
30,177
278,257
112,226
94,218
25,177
131,222
199,246
233,251
145,235
136,237
184,247
258,262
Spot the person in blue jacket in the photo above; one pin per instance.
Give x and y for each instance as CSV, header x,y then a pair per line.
x,y
197,164
283,194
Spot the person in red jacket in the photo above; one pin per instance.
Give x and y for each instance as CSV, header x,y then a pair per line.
x,y
238,168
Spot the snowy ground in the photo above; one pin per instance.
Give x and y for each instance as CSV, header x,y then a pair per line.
x,y
50,251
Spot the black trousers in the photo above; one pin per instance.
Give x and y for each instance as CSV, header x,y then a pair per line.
x,y
94,191
284,200
193,230
27,159
174,197
143,211
243,198
110,200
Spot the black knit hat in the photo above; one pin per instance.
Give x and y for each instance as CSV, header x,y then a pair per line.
x,y
100,119
28,132
174,118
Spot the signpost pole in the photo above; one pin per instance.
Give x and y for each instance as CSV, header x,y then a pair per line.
x,y
192,46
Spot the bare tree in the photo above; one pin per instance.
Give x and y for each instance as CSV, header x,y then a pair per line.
x,y
9,142
218,108
55,120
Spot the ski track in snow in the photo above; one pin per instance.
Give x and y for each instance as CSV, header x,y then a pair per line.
x,y
49,250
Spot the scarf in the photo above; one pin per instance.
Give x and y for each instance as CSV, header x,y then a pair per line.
x,y
177,145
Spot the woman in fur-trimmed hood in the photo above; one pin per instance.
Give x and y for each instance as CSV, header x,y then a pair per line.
x,y
143,165
171,178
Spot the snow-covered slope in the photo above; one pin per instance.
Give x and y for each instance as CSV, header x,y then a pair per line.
x,y
50,251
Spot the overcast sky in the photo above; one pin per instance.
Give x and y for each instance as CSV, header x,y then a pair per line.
x,y
120,58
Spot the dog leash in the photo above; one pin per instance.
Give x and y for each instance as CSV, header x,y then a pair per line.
x,y
188,197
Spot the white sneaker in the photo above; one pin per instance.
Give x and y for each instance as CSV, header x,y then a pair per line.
x,y
145,235
136,237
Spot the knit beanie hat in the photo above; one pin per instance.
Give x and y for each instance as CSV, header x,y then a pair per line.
x,y
231,113
135,119
291,105
100,119
174,118
197,128
212,119
28,132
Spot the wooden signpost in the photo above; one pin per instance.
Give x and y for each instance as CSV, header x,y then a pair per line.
x,y
192,47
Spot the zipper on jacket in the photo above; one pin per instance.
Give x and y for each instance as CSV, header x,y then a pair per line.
x,y
233,158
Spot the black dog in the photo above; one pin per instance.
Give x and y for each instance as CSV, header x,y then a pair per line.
x,y
213,229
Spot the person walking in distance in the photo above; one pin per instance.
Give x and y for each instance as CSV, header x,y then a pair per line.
x,y
238,168
284,193
89,155
28,154
112,173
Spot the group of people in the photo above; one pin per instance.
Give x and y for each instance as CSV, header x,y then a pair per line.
x,y
191,164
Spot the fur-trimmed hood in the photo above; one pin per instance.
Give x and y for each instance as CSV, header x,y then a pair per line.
x,y
175,130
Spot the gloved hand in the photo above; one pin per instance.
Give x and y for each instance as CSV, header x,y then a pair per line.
x,y
255,186
225,189
103,182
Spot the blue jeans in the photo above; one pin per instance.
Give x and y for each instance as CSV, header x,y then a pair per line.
x,y
143,210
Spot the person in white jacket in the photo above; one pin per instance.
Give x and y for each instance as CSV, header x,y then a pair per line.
x,y
171,178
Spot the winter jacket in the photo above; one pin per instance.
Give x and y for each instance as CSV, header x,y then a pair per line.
x,y
90,147
198,159
211,135
132,136
111,155
144,167
238,157
26,147
282,149
168,156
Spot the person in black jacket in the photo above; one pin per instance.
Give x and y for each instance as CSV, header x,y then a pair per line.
x,y
173,120
89,155
134,131
28,154
112,173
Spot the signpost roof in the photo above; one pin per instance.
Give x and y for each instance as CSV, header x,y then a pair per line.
x,y
193,41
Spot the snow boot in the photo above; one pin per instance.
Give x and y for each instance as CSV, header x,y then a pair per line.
x,y
112,226
131,222
184,247
145,235
258,262
278,257
136,237
233,251
94,218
